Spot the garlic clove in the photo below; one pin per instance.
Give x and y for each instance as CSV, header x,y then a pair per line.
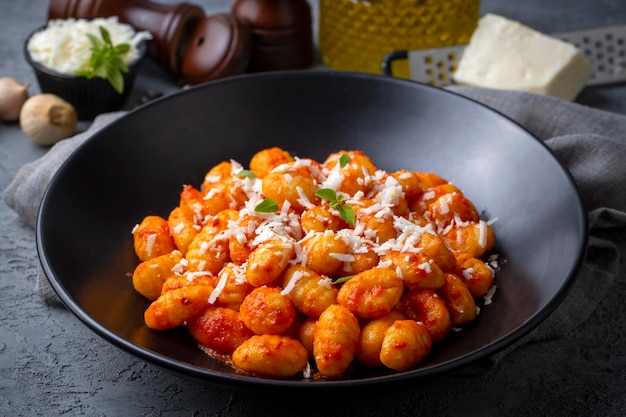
x,y
13,94
47,119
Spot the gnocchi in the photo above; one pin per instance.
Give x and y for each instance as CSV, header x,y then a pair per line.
x,y
298,267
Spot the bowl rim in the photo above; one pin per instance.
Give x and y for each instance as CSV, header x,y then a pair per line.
x,y
268,385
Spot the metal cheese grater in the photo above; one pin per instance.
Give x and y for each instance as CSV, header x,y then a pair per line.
x,y
604,47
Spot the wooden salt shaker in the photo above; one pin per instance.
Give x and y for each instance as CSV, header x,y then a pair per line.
x,y
281,31
171,25
220,46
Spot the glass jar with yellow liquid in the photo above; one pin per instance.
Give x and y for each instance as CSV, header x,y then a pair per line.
x,y
356,35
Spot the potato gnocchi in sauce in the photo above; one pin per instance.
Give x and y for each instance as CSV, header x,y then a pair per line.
x,y
297,267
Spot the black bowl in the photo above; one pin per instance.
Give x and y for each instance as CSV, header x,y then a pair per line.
x,y
89,96
138,164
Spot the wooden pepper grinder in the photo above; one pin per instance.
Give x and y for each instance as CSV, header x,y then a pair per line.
x,y
171,25
281,31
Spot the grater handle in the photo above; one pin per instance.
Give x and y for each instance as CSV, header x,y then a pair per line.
x,y
391,57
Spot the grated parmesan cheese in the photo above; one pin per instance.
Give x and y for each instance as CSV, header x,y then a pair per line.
x,y
429,195
325,282
150,241
333,180
468,273
399,272
209,195
384,264
191,275
444,208
213,178
482,239
492,261
304,199
459,222
179,228
204,247
343,257
179,268
63,45
297,276
367,178
282,168
356,198
306,372
301,163
391,193
425,266
488,297
218,289
235,168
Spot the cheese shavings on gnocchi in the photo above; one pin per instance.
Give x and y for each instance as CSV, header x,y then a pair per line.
x,y
293,266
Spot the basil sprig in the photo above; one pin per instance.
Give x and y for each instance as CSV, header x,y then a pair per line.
x,y
107,60
337,203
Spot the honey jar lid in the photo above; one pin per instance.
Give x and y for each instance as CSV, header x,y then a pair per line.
x,y
219,46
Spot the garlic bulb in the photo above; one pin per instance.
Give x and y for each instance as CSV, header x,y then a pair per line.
x,y
12,98
47,118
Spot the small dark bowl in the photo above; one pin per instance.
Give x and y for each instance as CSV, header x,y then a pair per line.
x,y
90,97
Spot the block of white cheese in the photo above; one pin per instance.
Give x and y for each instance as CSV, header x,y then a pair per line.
x,y
505,54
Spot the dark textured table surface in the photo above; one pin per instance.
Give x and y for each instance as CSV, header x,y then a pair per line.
x,y
52,365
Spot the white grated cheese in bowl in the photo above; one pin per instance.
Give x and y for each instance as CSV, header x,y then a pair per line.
x,y
64,46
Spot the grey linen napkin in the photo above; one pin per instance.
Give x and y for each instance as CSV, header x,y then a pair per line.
x,y
25,192
591,143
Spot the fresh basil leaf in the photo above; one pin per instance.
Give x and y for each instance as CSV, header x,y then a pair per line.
x,y
269,205
117,81
347,214
107,60
327,194
245,173
97,61
341,280
122,66
95,42
344,160
105,36
122,49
